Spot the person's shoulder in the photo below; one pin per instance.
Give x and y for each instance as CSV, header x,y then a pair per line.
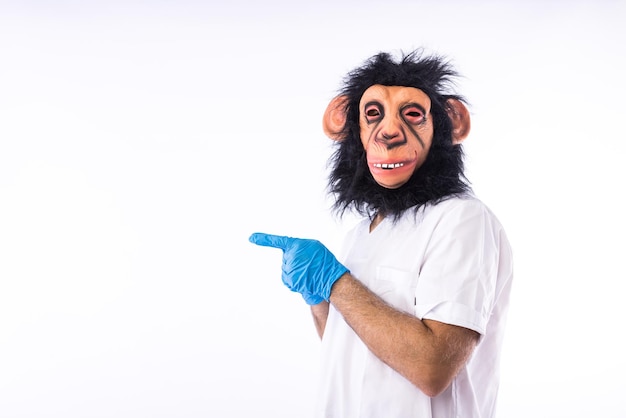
x,y
459,202
463,206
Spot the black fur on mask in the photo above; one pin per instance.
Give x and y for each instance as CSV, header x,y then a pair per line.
x,y
440,177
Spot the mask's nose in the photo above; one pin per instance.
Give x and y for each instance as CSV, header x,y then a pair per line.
x,y
391,135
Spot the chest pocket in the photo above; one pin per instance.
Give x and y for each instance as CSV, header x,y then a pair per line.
x,y
396,287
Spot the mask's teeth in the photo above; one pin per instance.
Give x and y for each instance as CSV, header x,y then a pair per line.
x,y
388,166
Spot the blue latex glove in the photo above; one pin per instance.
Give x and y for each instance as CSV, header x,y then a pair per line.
x,y
309,268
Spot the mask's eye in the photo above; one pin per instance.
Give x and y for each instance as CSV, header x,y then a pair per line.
x,y
372,112
414,115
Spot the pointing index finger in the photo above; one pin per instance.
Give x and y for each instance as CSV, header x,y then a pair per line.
x,y
268,240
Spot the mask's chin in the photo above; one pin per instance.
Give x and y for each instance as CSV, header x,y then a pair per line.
x,y
391,178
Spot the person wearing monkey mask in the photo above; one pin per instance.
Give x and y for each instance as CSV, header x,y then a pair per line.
x,y
412,319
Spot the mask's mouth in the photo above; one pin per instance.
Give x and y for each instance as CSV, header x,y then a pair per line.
x,y
386,166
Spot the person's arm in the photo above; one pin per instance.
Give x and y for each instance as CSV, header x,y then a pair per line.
x,y
428,353
320,315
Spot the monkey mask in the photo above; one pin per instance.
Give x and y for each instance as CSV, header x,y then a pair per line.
x,y
399,136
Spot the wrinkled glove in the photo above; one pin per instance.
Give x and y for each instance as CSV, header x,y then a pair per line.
x,y
309,268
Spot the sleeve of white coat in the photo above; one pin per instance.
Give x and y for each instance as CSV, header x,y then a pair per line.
x,y
457,280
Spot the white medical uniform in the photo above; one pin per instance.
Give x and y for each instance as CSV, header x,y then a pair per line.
x,y
449,262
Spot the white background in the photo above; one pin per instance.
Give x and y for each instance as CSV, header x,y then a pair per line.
x,y
141,142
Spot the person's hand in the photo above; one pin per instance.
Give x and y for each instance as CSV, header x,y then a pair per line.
x,y
309,268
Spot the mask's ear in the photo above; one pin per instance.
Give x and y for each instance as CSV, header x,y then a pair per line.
x,y
335,118
460,117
